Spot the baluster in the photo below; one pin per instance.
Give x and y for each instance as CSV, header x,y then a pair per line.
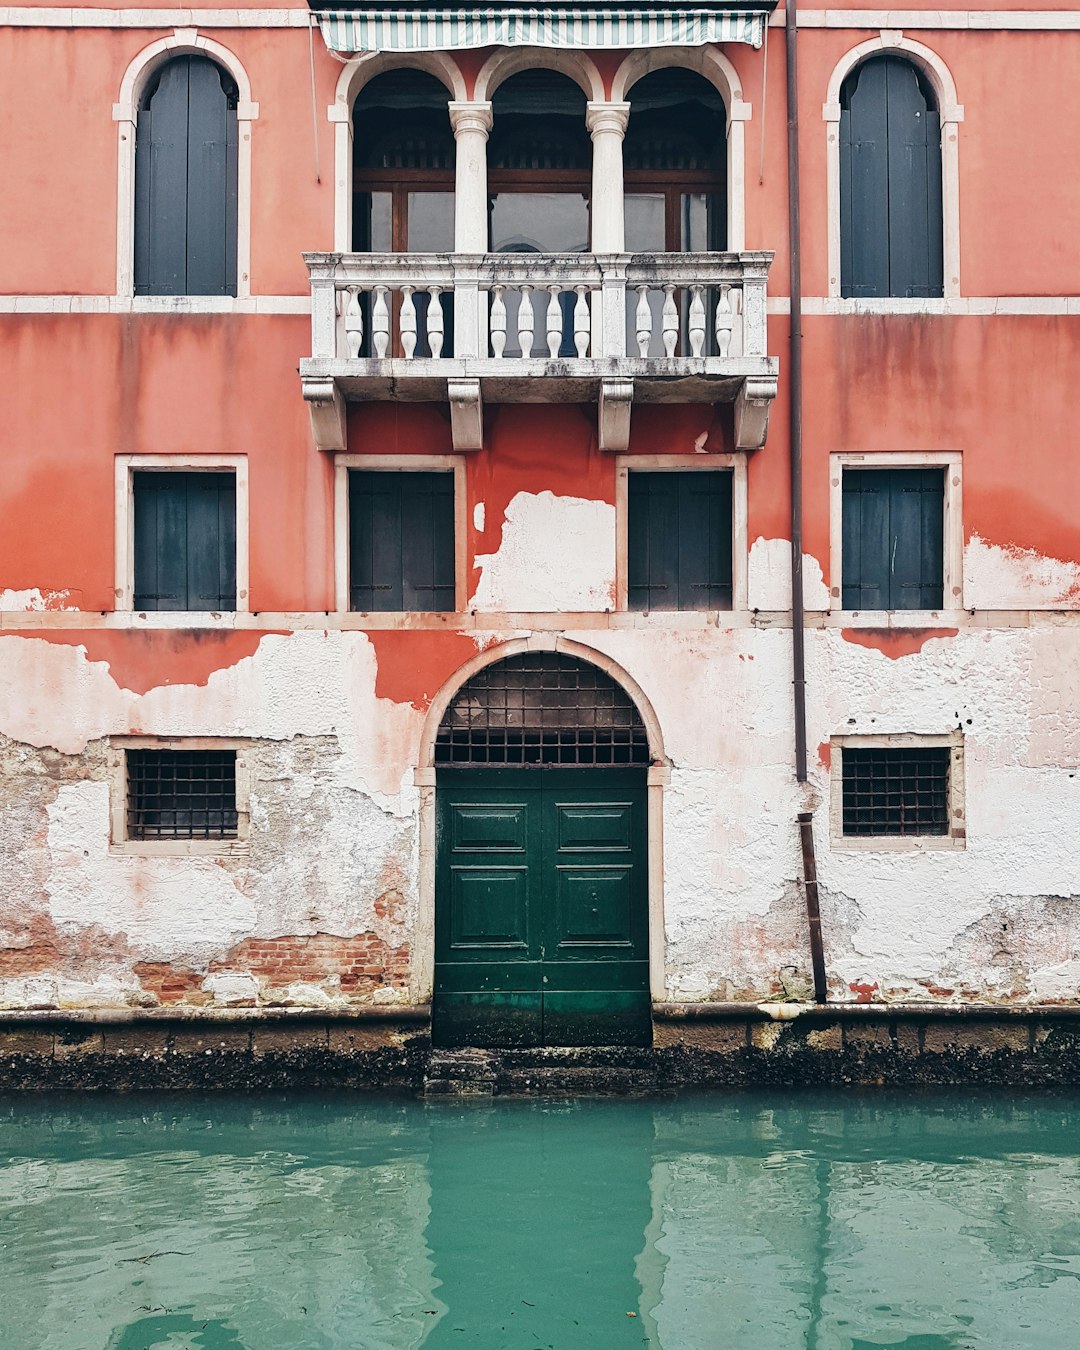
x,y
643,320
697,321
498,321
435,321
670,320
582,323
408,323
354,323
526,322
725,321
554,322
380,323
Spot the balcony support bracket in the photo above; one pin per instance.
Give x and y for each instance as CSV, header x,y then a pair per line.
x,y
753,404
326,408
616,404
466,414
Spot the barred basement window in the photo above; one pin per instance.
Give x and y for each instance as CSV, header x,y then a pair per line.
x,y
541,708
181,794
896,790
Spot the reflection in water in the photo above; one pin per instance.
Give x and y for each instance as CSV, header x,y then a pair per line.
x,y
755,1220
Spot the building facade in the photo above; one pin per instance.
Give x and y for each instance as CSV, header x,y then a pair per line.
x,y
396,549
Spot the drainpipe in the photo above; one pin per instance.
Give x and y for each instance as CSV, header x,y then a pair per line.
x,y
798,633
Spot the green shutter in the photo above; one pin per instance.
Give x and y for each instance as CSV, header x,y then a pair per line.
x,y
679,540
185,541
893,539
401,541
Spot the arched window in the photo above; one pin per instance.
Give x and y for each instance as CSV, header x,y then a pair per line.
x,y
403,165
539,165
890,182
675,165
186,181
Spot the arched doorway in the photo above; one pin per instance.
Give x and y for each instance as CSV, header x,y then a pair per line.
x,y
541,876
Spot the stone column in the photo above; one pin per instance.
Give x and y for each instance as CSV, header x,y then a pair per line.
x,y
607,123
471,123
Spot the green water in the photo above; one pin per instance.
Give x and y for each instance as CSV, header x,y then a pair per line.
x,y
759,1221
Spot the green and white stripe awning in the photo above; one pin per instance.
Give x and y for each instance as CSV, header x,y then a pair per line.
x,y
453,27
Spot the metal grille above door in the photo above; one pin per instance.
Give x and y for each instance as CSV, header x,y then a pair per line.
x,y
541,708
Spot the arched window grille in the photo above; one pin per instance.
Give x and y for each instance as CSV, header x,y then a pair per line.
x,y
890,182
541,709
186,181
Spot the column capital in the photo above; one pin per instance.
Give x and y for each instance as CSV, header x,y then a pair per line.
x,y
474,117
607,118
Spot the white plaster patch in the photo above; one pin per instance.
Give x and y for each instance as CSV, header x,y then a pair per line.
x,y
479,515
557,553
1017,578
33,600
164,906
769,577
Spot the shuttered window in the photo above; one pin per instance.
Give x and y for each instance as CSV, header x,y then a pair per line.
x,y
186,182
893,538
890,182
185,541
679,545
401,541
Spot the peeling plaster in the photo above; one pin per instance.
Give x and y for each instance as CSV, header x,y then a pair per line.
x,y
34,600
769,577
557,553
333,846
997,577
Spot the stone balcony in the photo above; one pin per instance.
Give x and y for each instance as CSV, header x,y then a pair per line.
x,y
604,328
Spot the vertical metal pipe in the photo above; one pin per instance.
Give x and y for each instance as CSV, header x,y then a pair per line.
x,y
795,377
795,385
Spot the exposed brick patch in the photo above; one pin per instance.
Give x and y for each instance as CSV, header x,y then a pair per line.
x,y
169,983
359,964
29,947
35,945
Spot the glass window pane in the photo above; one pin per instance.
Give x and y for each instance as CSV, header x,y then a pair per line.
x,y
645,222
431,222
539,222
374,221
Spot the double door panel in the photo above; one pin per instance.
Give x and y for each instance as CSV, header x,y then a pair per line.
x,y
541,933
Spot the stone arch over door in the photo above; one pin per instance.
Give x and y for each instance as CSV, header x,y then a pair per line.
x,y
655,769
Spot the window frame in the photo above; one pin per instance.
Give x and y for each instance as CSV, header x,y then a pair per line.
x,y
950,116
956,838
951,463
397,464
119,840
126,467
735,463
125,112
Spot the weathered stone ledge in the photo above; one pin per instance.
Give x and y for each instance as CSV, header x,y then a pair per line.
x,y
732,1046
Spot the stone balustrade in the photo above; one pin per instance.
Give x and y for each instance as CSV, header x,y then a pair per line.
x,y
604,327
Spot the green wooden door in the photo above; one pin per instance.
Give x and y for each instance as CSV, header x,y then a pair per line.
x,y
541,908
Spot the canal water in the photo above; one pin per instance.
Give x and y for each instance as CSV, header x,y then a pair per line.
x,y
757,1221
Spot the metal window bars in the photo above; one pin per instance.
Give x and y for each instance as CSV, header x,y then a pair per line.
x,y
539,709
181,794
896,790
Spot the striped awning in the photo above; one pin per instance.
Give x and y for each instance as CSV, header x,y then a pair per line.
x,y
408,28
